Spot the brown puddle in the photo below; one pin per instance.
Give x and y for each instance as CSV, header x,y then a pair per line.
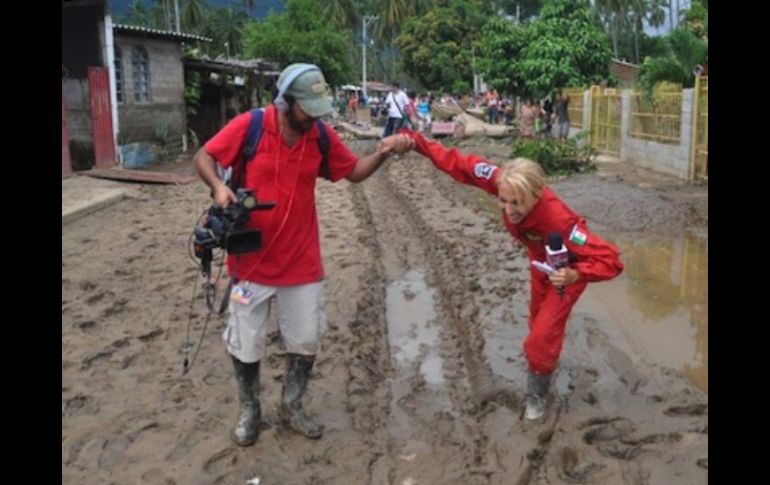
x,y
413,336
660,302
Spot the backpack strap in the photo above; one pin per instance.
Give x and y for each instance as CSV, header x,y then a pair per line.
x,y
323,146
252,142
249,147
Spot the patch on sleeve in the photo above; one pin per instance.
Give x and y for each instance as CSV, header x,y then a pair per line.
x,y
577,236
484,170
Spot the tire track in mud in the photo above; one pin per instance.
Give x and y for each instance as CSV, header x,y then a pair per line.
x,y
370,356
458,283
453,288
406,244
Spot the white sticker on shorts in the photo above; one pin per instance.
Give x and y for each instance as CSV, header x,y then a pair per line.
x,y
241,295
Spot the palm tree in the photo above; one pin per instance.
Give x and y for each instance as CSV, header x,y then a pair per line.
x,y
656,13
137,14
677,11
225,25
193,15
161,14
344,13
671,14
393,13
611,12
638,12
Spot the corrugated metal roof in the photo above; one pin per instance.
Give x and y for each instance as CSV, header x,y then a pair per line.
x,y
158,33
260,66
247,63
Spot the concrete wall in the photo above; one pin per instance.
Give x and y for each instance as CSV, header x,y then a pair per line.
x,y
78,105
139,120
81,138
670,159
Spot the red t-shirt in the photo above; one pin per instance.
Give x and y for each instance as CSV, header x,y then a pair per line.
x,y
286,175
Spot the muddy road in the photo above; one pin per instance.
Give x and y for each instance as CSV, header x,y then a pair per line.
x,y
421,379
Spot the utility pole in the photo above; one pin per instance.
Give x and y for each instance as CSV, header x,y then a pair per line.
x,y
473,66
176,12
365,21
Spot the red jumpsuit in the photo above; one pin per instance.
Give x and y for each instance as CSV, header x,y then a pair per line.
x,y
594,259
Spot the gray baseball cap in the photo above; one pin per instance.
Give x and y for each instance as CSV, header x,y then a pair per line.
x,y
309,89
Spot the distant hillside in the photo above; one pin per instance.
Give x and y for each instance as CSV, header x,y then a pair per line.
x,y
260,10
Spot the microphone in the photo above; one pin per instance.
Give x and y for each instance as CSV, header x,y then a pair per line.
x,y
557,255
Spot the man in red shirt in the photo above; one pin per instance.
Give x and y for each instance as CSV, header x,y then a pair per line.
x,y
288,265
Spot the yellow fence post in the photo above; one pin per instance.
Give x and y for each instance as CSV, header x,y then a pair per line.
x,y
699,148
693,150
594,125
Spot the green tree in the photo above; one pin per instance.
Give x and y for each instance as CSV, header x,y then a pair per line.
x,y
564,46
685,51
652,46
301,34
437,48
696,19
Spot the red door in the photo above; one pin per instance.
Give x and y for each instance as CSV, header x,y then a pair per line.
x,y
66,163
101,117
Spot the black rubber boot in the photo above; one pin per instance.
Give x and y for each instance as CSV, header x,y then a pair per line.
x,y
249,415
537,391
295,382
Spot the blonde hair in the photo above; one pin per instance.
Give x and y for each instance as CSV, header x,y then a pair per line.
x,y
525,177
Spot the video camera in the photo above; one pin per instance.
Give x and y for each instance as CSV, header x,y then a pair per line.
x,y
224,228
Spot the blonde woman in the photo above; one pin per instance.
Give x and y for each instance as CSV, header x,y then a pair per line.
x,y
533,213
